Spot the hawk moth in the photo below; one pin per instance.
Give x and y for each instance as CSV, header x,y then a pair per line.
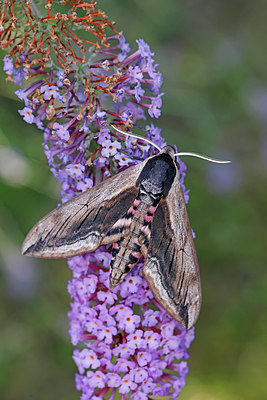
x,y
142,212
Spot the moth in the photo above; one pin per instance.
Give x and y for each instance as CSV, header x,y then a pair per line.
x,y
140,211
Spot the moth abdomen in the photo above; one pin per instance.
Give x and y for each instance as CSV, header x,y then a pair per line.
x,y
127,251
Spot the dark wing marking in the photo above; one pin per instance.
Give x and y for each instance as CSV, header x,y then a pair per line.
x,y
81,224
120,228
171,268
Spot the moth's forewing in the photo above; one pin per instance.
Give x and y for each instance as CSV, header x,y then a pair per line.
x,y
81,224
171,268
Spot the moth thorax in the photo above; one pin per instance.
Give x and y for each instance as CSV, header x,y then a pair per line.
x,y
154,189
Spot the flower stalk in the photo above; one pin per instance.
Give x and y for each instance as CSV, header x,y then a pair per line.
x,y
78,77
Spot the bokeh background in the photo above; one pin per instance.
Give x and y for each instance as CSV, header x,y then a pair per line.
x,y
212,54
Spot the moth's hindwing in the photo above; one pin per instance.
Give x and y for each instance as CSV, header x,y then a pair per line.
x,y
82,224
171,268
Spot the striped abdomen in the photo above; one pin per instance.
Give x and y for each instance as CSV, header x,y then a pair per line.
x,y
135,231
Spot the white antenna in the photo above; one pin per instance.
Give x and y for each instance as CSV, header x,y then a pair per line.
x,y
135,136
214,160
203,157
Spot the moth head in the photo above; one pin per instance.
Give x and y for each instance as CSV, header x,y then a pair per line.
x,y
170,150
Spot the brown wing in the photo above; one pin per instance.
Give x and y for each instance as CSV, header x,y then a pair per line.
x,y
82,224
171,268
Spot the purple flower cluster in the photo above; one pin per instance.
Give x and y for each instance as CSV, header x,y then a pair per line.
x,y
127,343
130,344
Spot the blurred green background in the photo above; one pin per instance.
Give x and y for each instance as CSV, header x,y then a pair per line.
x,y
213,58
